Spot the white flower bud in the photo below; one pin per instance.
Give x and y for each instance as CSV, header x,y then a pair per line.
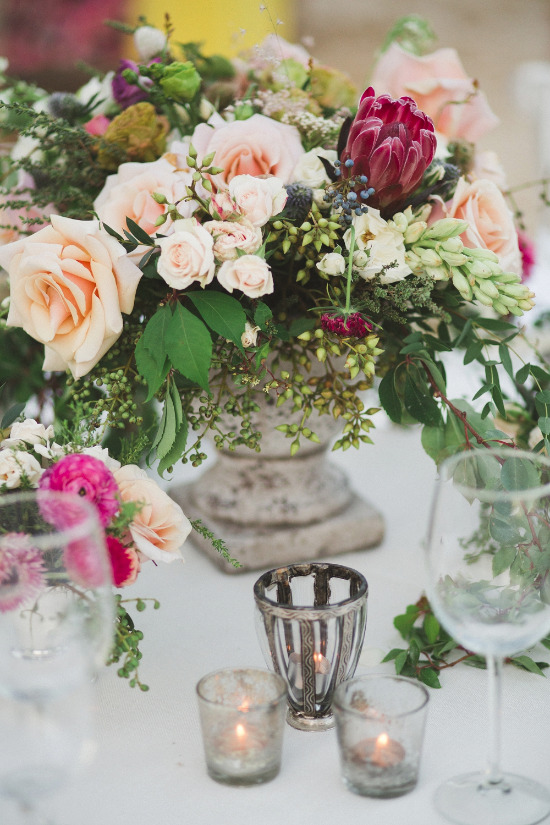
x,y
414,231
250,335
400,222
332,264
446,228
429,257
149,42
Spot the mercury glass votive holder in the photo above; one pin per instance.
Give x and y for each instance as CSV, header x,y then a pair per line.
x,y
380,726
311,621
242,719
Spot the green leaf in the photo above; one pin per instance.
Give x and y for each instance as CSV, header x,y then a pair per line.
x,y
177,449
418,401
400,661
389,657
150,352
428,676
504,353
12,413
189,346
437,375
389,398
542,402
431,628
519,474
539,373
169,431
300,325
544,425
473,352
262,314
222,313
433,441
494,324
502,559
139,233
523,374
526,663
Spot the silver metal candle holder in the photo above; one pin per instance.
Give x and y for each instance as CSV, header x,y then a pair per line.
x,y
311,621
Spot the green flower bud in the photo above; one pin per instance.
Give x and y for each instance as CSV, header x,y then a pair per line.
x,y
482,297
453,245
429,257
488,288
446,228
454,258
400,222
414,231
180,81
460,283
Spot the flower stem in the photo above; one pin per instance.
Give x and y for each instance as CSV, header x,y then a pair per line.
x,y
350,267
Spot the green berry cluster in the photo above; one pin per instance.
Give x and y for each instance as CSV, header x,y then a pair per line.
x,y
127,638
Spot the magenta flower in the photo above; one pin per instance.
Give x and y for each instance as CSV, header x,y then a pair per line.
x,y
391,143
85,476
528,257
127,94
124,562
354,325
21,571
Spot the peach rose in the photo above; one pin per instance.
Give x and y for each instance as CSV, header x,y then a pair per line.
x,y
490,221
160,527
257,146
258,199
440,87
232,236
186,256
249,273
128,194
69,284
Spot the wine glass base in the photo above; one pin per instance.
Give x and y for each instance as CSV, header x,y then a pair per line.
x,y
470,800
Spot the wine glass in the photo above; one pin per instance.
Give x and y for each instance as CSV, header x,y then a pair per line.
x,y
56,630
488,564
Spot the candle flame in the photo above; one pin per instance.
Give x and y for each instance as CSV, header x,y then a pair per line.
x,y
382,740
243,707
240,730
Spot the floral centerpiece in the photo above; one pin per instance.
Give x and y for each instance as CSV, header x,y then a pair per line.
x,y
187,234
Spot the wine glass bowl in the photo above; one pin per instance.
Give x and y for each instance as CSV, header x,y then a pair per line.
x,y
56,631
488,581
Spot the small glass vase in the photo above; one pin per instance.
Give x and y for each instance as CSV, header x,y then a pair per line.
x,y
311,621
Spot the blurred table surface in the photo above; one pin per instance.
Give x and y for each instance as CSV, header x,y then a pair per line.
x,y
149,765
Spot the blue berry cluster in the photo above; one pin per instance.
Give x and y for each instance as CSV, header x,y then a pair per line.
x,y
344,196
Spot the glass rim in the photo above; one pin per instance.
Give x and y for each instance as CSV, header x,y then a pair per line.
x,y
59,535
269,674
381,677
262,597
448,465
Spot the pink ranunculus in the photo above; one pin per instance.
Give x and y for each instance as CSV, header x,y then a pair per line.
x,y
257,146
128,194
248,273
392,143
441,89
233,237
159,527
258,199
98,125
490,220
84,476
70,283
125,562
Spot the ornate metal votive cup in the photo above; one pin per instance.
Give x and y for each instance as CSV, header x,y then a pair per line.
x,y
311,621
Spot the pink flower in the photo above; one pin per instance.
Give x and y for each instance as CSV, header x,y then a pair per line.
x,y
124,562
528,256
84,562
85,476
257,146
354,325
249,273
392,143
21,571
98,125
232,237
440,87
258,199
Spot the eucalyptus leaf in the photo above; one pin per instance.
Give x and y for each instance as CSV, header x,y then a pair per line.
x,y
519,474
503,559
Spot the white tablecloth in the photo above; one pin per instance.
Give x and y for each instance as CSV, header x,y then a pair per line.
x,y
149,766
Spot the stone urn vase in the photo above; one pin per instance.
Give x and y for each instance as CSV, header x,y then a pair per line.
x,y
272,509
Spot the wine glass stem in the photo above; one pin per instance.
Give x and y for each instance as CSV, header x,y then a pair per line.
x,y
493,773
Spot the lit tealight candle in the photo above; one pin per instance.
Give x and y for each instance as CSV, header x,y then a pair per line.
x,y
382,752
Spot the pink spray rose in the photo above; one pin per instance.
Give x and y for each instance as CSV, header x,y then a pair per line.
x,y
232,237
392,143
186,256
70,283
258,199
248,273
84,476
441,89
257,146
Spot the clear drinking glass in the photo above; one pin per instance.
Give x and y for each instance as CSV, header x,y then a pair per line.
x,y
56,629
488,564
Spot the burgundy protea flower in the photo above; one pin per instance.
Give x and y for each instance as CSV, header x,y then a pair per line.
x,y
85,476
354,325
21,571
391,143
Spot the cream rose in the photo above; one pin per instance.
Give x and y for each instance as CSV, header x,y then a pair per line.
x,y
128,194
310,171
440,87
490,221
160,527
257,146
258,199
69,284
380,248
186,256
249,273
230,236
16,465
332,264
28,431
250,335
